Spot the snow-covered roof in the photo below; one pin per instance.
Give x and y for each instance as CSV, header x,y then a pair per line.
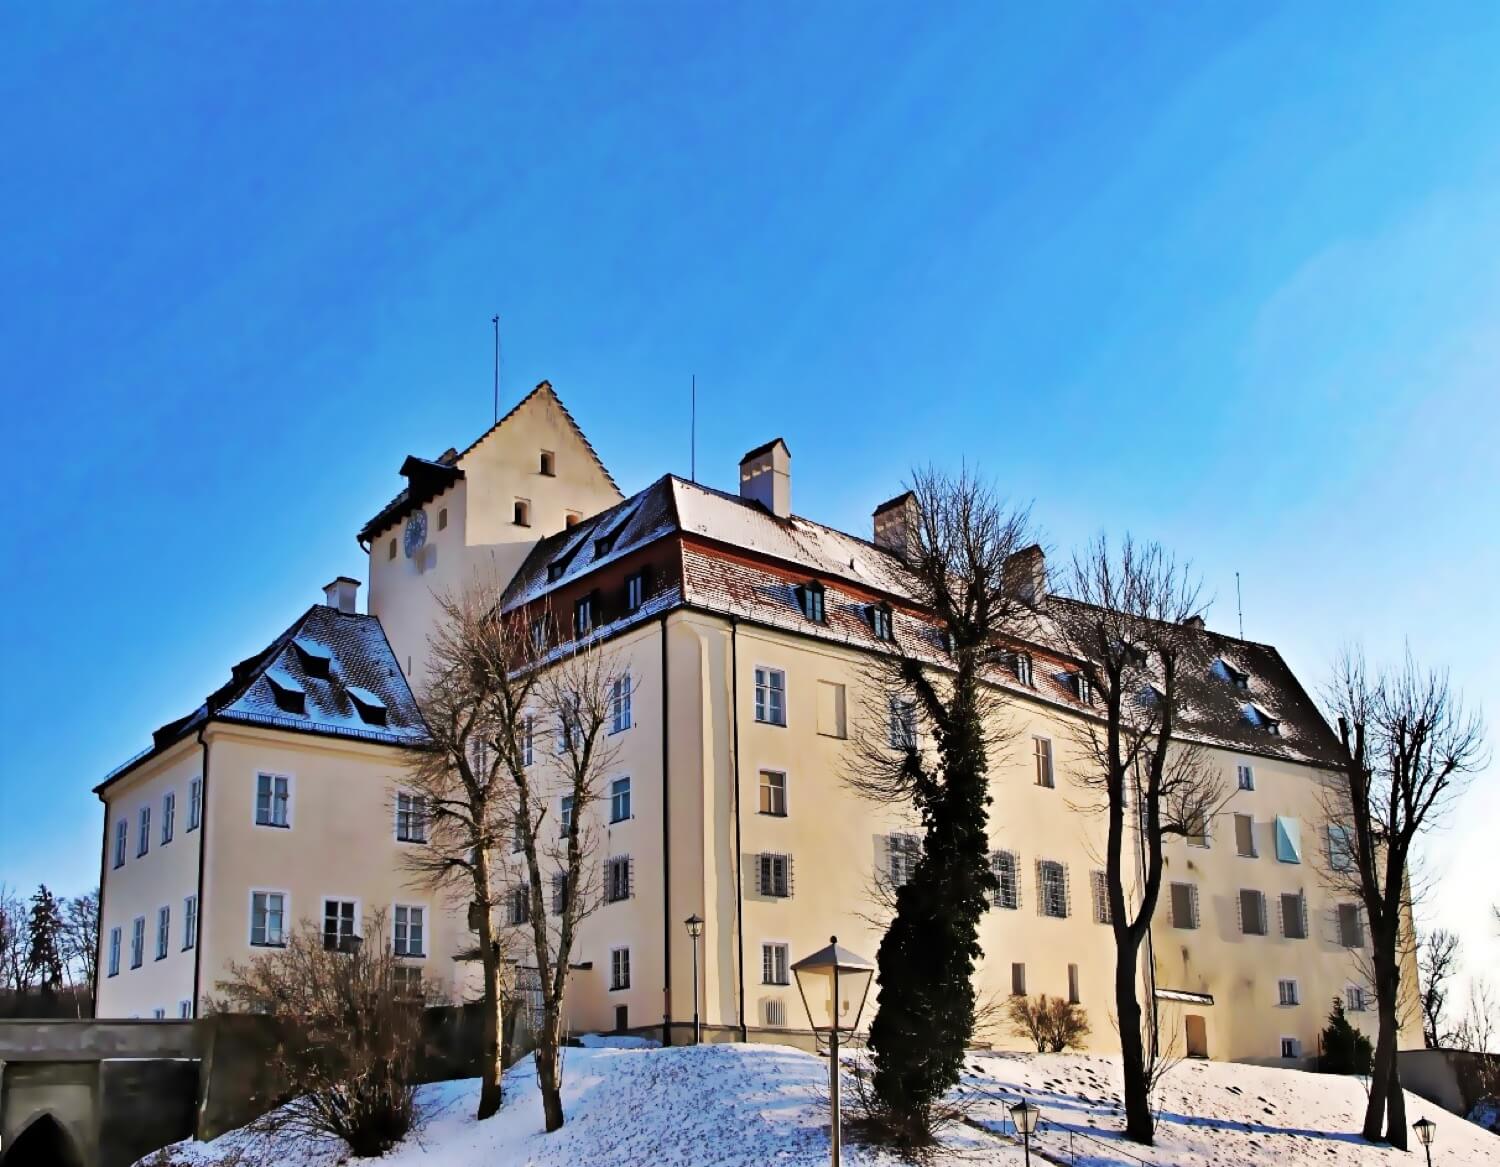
x,y
352,650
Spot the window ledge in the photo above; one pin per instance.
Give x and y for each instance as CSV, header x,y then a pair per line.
x,y
276,826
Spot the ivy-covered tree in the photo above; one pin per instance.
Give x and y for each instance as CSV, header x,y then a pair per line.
x,y
927,746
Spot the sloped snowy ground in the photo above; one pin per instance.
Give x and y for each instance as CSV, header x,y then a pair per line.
x,y
748,1106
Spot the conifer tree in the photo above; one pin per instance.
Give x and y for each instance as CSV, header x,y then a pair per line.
x,y
44,964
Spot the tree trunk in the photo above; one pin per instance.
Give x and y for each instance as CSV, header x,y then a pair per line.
x,y
1384,1081
490,1059
1139,1124
547,1076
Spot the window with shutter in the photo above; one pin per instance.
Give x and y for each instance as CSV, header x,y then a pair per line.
x,y
1252,912
1286,991
1244,835
1293,916
1184,905
1288,839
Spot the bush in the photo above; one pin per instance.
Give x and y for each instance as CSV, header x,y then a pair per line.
x,y
1051,1023
1345,1049
348,1033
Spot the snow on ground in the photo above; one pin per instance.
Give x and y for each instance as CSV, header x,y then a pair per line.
x,y
753,1105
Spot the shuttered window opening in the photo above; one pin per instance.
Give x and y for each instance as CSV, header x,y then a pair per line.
x,y
1018,979
1007,869
775,1012
1184,905
1252,912
1351,927
1287,993
1294,916
1073,997
1244,835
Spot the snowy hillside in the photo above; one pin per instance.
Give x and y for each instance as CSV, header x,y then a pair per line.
x,y
745,1106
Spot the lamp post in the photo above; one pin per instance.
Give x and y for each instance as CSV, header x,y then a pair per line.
x,y
1426,1131
1024,1115
834,983
695,929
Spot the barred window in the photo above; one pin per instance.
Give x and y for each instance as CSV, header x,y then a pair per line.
x,y
1099,884
1293,916
617,879
903,723
903,852
773,875
1052,888
1007,869
1252,912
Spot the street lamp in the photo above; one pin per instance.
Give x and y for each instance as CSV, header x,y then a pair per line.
x,y
1426,1130
834,983
695,929
1024,1115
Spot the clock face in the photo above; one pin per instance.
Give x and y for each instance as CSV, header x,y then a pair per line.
x,y
416,532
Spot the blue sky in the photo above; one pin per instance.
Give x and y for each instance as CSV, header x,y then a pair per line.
x,y
1226,276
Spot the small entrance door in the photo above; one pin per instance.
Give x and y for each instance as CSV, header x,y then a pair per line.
x,y
622,1018
1197,1036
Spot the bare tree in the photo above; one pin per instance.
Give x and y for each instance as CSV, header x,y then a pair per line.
x,y
1478,1031
1123,621
1051,1023
1407,746
12,941
80,936
926,746
480,685
579,699
1437,961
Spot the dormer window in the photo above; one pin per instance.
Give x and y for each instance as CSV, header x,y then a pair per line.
x,y
371,709
548,467
1081,688
880,621
810,600
1259,718
521,513
1236,677
604,545
316,661
1023,669
555,572
287,693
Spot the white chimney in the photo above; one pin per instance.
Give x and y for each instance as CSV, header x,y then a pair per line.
x,y
1026,574
342,594
766,477
896,524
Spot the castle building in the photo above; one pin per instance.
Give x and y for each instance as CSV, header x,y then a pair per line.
x,y
745,632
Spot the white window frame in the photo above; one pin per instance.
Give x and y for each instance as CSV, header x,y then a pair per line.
x,y
614,970
1099,894
116,944
195,804
168,816
1288,993
528,739
1038,741
1296,1046
143,827
426,925
1356,1000
565,807
760,785
614,795
189,922
620,691
122,840
997,899
786,962
324,901
138,942
1243,770
763,704
417,808
291,799
286,911
163,931
635,591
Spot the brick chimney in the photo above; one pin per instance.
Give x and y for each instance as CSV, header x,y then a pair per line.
x,y
896,524
766,477
342,594
1026,574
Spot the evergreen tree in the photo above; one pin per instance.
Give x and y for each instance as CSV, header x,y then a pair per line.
x,y
1345,1049
44,964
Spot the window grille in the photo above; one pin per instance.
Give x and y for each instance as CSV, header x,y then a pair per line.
x,y
1052,888
618,873
1293,916
1007,868
1099,882
1252,912
773,875
903,851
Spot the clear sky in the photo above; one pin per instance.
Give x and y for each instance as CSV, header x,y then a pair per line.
x,y
1223,275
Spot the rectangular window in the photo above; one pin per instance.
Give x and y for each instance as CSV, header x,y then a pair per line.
x,y
1351,929
774,966
168,815
1244,835
880,622
1099,884
1017,979
1184,905
1006,867
411,819
569,727
1246,776
1197,829
137,941
273,799
195,804
903,723
1073,997
114,952
831,721
528,740
185,1009
1354,999
520,904
619,800
810,600
1291,1047
163,931
143,844
770,696
559,893
1041,751
267,919
635,591
1288,839
775,1013
773,793
189,922
1286,991
1293,916
520,514
619,704
565,818
619,969
617,872
1340,848
339,924
1023,669
548,466
1252,912
585,615
904,852
774,876
1052,888
122,829
159,1013
409,934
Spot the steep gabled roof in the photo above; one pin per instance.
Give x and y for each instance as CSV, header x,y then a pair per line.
x,y
427,478
359,664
